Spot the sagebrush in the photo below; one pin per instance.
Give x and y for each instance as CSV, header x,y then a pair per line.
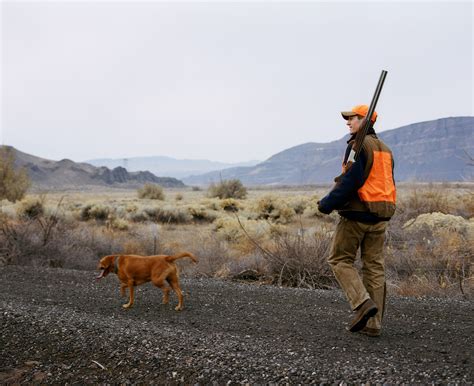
x,y
277,234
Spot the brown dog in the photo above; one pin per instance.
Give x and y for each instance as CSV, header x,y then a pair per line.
x,y
133,270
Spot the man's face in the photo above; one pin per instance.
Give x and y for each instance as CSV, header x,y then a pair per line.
x,y
354,123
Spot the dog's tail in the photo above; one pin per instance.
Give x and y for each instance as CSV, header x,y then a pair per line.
x,y
181,255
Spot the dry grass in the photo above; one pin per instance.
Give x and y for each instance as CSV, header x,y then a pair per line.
x,y
276,233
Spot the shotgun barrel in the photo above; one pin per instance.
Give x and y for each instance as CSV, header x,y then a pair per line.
x,y
357,146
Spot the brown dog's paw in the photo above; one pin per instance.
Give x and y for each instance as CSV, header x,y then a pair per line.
x,y
126,306
178,308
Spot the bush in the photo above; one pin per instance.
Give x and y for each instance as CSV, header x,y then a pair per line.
x,y
299,260
152,192
94,212
138,216
242,234
214,255
117,223
274,209
230,205
31,209
228,189
299,204
168,215
13,183
418,201
212,204
201,214
428,260
38,237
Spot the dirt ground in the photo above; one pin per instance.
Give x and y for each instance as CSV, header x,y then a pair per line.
x,y
62,326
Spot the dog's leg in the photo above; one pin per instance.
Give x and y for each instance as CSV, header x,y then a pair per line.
x,y
123,287
160,283
166,294
130,302
178,292
173,280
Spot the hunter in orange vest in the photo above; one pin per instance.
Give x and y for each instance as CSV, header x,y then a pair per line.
x,y
365,199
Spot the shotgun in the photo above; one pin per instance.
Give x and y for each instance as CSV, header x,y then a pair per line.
x,y
366,124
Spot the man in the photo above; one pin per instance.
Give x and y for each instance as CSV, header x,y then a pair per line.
x,y
365,199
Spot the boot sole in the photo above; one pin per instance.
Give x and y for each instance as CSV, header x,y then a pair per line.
x,y
362,322
373,333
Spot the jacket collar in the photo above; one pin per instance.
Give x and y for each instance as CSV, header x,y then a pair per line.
x,y
371,131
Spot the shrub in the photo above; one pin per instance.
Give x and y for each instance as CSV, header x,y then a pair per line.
x,y
242,234
214,255
138,216
230,205
117,223
437,222
201,214
213,204
152,192
31,209
463,205
13,182
425,260
228,189
299,260
38,237
168,215
418,201
94,212
299,204
275,209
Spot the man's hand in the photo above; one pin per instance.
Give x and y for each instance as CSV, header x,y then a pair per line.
x,y
323,209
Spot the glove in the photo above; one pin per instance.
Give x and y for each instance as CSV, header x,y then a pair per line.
x,y
323,209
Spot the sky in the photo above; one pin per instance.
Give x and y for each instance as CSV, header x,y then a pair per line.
x,y
224,81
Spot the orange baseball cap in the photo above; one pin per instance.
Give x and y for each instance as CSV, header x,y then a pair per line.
x,y
361,110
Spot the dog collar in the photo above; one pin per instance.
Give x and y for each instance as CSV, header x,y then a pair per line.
x,y
116,261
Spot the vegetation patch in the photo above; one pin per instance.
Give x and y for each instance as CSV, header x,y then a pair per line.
x,y
151,192
228,189
276,236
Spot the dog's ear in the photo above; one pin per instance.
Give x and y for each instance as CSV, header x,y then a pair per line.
x,y
109,261
106,261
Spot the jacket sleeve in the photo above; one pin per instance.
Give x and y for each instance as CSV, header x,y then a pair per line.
x,y
349,184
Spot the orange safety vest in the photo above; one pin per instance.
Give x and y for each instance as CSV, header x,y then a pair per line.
x,y
378,193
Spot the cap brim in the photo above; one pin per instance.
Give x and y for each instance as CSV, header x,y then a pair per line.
x,y
347,114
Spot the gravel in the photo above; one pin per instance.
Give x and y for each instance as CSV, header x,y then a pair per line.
x,y
62,326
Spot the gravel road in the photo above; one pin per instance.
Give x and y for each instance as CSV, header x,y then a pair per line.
x,y
62,326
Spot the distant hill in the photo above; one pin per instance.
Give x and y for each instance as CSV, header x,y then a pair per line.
x,y
167,166
66,174
427,151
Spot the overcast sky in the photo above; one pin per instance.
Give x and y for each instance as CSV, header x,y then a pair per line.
x,y
226,81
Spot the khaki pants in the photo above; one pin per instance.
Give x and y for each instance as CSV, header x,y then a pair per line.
x,y
349,236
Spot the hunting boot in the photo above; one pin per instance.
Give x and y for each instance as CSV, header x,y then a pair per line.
x,y
362,314
374,324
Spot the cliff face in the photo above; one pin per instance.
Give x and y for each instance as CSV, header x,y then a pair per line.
x,y
426,151
436,150
433,151
66,174
167,166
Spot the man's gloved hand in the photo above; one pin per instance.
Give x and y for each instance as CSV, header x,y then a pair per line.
x,y
323,209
